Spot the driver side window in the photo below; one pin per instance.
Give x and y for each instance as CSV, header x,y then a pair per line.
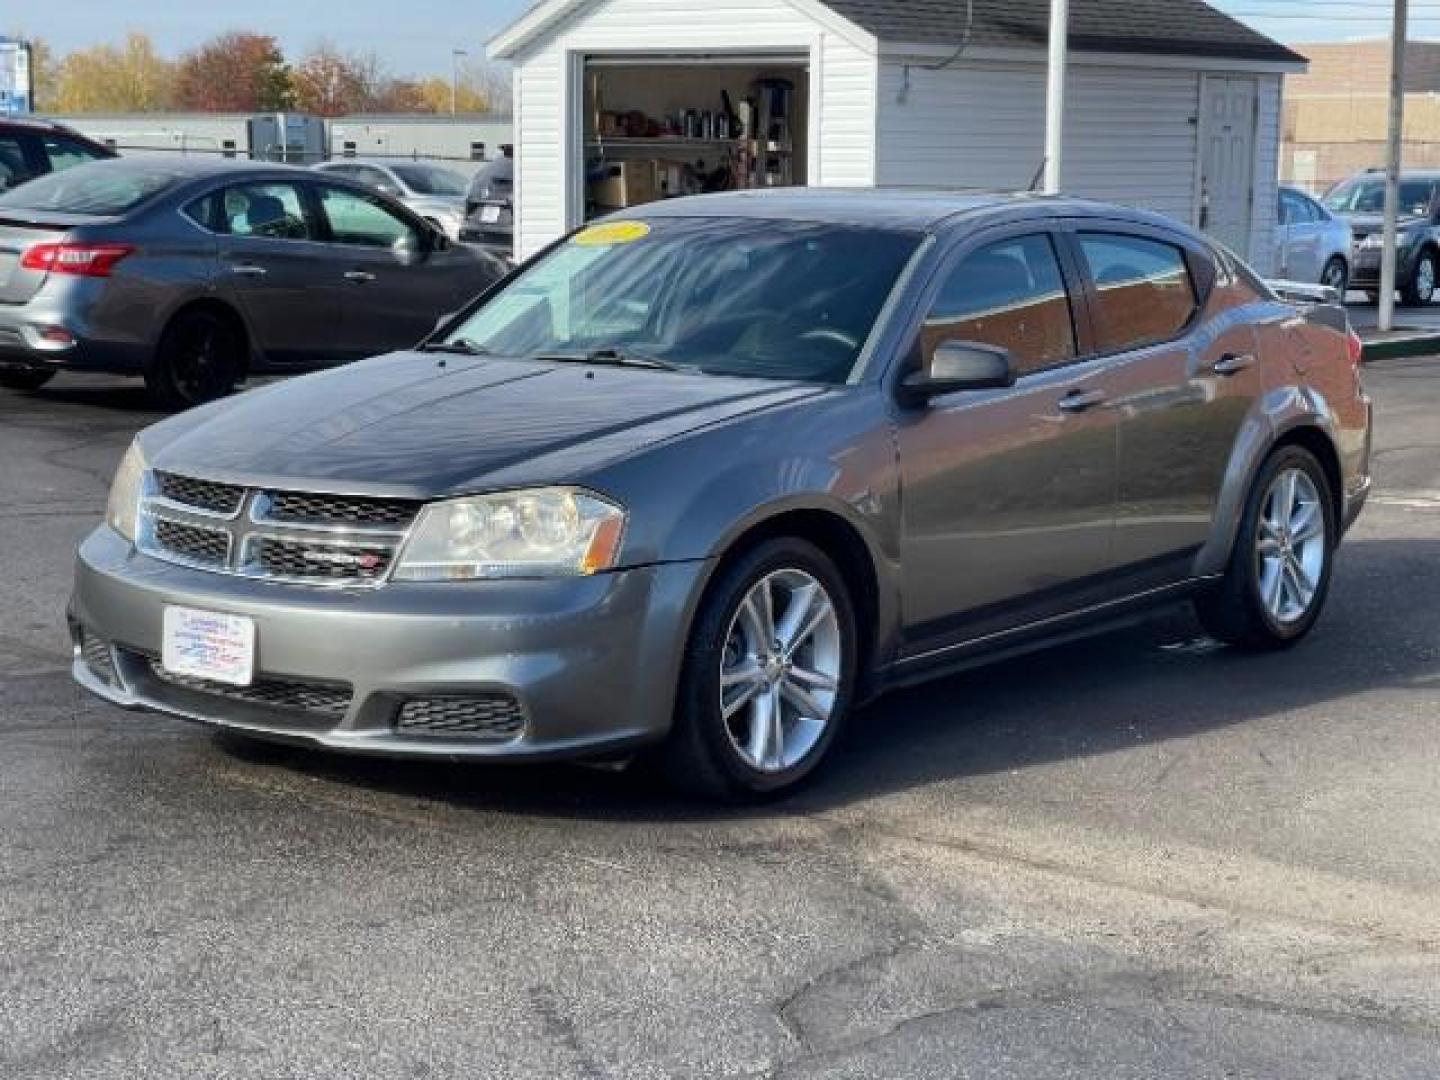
x,y
1012,294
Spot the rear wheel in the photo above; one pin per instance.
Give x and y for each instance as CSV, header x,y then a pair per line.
x,y
1336,275
25,380
1420,289
1279,574
768,675
200,358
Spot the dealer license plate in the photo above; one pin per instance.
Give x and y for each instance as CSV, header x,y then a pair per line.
x,y
490,214
209,645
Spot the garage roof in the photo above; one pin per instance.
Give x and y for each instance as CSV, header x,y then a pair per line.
x,y
1176,27
1166,27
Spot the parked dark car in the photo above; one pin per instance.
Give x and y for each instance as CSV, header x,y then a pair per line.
x,y
1361,201
31,148
196,272
490,207
698,481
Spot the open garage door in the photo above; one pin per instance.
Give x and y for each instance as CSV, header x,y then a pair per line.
x,y
662,127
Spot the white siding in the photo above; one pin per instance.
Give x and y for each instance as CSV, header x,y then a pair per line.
x,y
1267,172
843,79
1129,132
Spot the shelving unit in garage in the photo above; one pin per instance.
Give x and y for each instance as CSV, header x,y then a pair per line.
x,y
664,127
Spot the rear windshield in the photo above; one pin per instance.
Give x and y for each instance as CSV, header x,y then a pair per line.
x,y
723,296
102,188
429,180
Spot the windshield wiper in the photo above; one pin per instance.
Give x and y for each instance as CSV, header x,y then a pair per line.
x,y
462,346
611,357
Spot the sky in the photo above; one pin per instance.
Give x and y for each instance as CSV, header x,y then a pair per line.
x,y
415,37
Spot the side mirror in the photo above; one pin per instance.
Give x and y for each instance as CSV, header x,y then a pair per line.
x,y
957,366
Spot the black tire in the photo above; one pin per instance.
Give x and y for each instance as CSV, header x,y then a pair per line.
x,y
200,358
1337,275
1233,611
1415,292
701,756
25,380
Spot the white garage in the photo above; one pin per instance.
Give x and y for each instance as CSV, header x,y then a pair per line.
x,y
1170,104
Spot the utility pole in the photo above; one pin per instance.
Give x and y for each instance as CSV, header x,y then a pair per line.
x,y
455,57
1388,251
1055,93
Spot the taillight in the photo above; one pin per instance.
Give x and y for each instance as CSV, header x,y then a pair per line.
x,y
1356,346
83,260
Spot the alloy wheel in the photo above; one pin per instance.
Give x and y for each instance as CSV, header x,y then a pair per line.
x,y
780,670
1334,276
1425,279
1290,547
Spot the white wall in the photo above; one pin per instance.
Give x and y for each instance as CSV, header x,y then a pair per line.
x,y
842,78
1130,134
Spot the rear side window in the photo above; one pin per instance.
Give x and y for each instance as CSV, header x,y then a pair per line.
x,y
1010,294
1143,289
272,211
14,169
67,153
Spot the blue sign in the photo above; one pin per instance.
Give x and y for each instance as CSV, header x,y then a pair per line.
x,y
16,78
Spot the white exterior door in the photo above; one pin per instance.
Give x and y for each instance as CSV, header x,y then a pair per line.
x,y
1227,167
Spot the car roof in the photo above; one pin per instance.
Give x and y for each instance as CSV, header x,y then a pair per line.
x,y
378,163
918,209
33,123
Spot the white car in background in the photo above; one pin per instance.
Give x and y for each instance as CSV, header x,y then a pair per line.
x,y
436,194
1311,243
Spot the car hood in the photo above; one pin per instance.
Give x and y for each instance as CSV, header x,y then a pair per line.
x,y
1365,224
420,425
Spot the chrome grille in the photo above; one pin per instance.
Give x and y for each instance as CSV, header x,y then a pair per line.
x,y
490,716
316,560
324,699
318,509
205,495
303,538
193,543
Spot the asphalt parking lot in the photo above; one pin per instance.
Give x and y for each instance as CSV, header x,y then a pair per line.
x,y
1138,856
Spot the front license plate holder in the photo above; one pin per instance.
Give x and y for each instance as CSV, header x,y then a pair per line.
x,y
209,645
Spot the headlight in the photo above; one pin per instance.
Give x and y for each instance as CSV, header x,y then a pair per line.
x,y
547,532
125,491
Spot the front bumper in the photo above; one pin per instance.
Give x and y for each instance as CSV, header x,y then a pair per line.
x,y
591,662
1365,266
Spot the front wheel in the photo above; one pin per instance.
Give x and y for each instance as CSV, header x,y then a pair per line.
x,y
200,358
25,380
768,675
1279,574
1336,276
1420,289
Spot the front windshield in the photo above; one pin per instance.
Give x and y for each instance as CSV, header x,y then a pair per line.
x,y
727,296
1366,195
430,180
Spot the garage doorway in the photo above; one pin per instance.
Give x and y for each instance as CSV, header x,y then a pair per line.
x,y
656,128
1228,108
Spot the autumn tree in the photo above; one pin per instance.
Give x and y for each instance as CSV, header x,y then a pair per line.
x,y
235,72
331,83
130,78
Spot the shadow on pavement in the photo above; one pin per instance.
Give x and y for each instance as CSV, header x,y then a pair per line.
x,y
1157,681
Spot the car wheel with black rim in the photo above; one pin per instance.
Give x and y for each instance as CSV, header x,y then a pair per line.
x,y
768,675
1279,573
1336,276
200,358
25,380
1420,289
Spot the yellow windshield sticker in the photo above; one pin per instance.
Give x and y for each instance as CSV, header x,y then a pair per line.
x,y
612,232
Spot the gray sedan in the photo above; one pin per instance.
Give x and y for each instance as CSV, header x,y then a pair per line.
x,y
1311,244
195,273
696,482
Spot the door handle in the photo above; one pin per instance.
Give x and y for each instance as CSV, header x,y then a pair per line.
x,y
247,270
360,277
1233,363
1079,400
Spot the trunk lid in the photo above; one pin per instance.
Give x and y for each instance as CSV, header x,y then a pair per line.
x,y
21,230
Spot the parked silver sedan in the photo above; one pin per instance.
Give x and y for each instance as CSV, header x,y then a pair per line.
x,y
1311,243
195,273
434,192
696,481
